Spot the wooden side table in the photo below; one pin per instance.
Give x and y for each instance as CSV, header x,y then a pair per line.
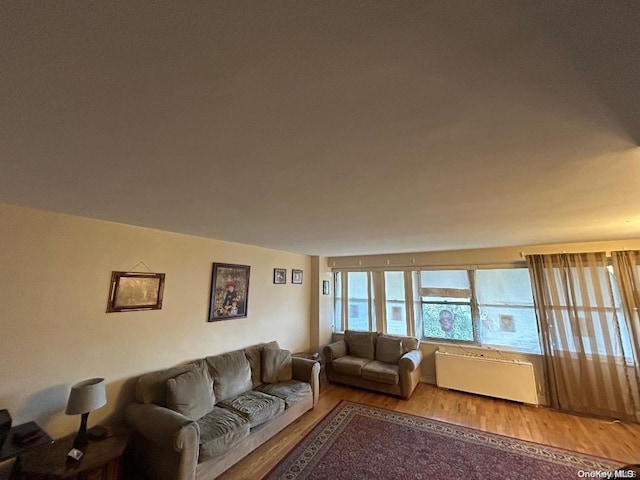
x,y
11,448
102,459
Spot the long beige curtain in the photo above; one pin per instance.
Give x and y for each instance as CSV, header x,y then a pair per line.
x,y
626,266
586,362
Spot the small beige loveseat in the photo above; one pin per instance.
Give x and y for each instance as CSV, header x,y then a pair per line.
x,y
385,363
195,421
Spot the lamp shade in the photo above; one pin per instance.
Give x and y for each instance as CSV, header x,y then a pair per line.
x,y
86,396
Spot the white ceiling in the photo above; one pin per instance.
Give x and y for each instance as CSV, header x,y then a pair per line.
x,y
328,128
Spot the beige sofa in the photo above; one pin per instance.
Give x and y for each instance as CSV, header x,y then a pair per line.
x,y
385,363
195,421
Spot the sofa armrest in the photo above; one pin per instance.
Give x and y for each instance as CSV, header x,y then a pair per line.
x,y
334,350
307,370
411,360
163,427
303,368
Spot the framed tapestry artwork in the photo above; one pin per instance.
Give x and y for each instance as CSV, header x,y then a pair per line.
x,y
279,275
131,291
296,276
229,291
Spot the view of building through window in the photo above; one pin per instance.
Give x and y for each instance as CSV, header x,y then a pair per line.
x,y
442,305
491,307
396,309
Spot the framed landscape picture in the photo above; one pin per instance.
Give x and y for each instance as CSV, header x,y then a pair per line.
x,y
279,275
229,291
132,291
296,276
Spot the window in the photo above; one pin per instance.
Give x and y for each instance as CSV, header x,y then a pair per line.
x,y
507,317
395,303
492,307
446,305
357,311
338,325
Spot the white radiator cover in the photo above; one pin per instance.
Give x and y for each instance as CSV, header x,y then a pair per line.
x,y
501,378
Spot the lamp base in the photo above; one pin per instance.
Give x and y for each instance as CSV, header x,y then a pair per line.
x,y
82,438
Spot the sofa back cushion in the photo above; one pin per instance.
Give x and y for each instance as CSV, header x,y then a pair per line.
x,y
191,394
360,344
388,349
276,365
231,374
152,387
254,355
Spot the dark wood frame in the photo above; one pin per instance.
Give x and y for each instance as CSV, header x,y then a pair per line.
x,y
295,272
119,286
283,278
223,275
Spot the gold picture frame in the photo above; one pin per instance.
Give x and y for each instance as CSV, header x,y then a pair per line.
x,y
134,291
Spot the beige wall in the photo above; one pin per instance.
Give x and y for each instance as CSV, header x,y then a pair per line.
x,y
54,280
321,305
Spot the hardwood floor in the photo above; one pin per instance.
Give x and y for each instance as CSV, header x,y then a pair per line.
x,y
610,439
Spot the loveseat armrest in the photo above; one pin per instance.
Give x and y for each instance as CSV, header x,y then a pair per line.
x,y
307,370
334,350
163,427
411,360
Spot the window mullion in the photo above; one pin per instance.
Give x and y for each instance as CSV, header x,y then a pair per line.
x,y
345,301
408,301
378,302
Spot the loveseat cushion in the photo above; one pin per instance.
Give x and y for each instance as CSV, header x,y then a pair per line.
x,y
388,349
381,372
290,391
254,355
220,430
191,394
349,365
256,407
276,365
231,374
152,387
360,344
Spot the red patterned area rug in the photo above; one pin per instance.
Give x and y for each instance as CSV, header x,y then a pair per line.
x,y
357,441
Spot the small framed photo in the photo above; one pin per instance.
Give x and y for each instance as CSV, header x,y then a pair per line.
x,y
229,291
131,291
279,275
296,276
325,287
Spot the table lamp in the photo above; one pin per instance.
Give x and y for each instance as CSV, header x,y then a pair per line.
x,y
85,397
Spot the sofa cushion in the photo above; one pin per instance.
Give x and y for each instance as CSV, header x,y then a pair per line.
x,y
291,391
231,374
152,387
276,365
256,407
381,372
254,355
360,344
220,430
349,365
191,394
388,349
